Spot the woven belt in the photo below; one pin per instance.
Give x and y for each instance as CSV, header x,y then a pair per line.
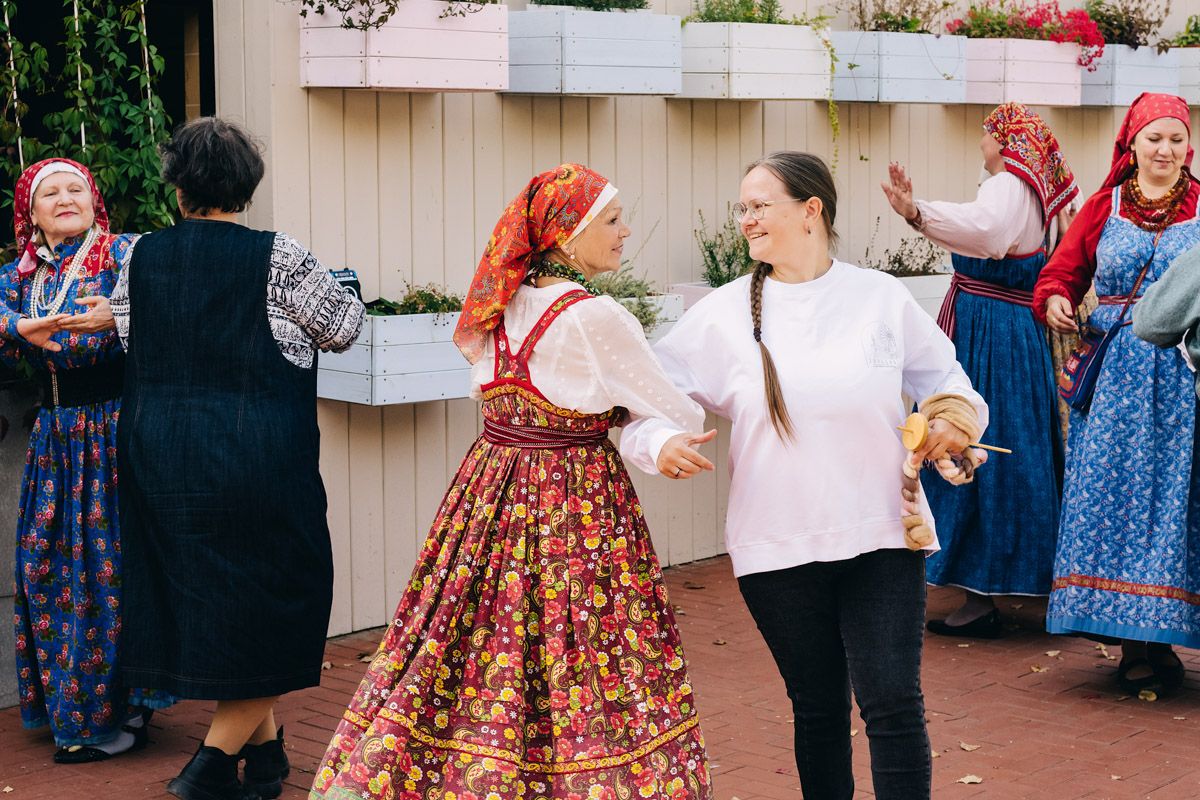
x,y
1116,299
538,437
84,386
968,285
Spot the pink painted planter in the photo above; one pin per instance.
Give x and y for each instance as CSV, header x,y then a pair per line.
x,y
415,50
1023,71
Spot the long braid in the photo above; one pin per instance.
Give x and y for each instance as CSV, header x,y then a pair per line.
x,y
776,405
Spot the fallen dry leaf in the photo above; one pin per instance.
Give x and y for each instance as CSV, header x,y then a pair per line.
x,y
326,665
1179,717
1053,653
1116,777
367,659
1036,668
854,731
720,641
1147,695
8,790
1018,605
935,753
964,645
1103,648
969,747
970,779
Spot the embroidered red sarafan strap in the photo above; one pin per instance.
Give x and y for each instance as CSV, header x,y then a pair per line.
x,y
516,365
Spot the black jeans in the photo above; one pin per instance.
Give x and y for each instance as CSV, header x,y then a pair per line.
x,y
860,623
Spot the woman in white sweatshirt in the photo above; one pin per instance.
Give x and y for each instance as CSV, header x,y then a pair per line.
x,y
808,356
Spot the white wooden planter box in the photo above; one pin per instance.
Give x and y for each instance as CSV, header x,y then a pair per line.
x,y
415,50
1189,73
691,292
1123,73
929,291
670,309
572,51
754,62
1023,71
398,359
873,66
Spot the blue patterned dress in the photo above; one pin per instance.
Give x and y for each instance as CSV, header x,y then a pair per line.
x,y
1128,562
998,532
67,605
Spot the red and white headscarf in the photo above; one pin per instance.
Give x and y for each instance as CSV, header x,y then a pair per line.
x,y
1032,153
1148,107
23,209
548,213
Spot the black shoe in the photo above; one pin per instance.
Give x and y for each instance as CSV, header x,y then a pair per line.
x,y
210,775
985,627
1136,685
86,754
266,767
1166,665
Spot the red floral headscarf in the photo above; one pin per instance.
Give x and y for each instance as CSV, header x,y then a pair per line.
x,y
1031,152
23,211
548,213
1145,109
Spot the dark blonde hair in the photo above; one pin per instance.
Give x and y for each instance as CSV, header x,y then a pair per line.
x,y
804,176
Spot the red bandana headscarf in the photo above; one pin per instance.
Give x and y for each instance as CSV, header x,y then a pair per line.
x,y
23,213
1145,109
554,207
1031,152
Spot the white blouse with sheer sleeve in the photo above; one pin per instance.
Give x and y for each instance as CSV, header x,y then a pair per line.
x,y
1005,218
593,357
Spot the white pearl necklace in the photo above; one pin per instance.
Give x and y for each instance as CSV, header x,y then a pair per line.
x,y
37,293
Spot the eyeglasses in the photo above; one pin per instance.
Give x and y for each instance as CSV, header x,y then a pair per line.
x,y
757,208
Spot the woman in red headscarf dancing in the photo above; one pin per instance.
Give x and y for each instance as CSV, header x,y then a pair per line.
x,y
535,653
67,605
1128,560
998,533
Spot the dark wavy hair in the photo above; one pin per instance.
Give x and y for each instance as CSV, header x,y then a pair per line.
x,y
216,166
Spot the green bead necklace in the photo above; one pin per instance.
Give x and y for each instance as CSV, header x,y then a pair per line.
x,y
551,269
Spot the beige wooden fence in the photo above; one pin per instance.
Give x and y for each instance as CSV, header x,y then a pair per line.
x,y
407,187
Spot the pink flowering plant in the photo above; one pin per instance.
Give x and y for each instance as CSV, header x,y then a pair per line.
x,y
1042,20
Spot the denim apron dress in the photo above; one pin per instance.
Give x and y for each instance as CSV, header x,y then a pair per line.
x,y
228,564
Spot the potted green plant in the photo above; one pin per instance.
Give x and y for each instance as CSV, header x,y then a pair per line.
x,y
583,47
894,56
918,263
1027,51
1186,44
426,45
1130,65
405,353
748,50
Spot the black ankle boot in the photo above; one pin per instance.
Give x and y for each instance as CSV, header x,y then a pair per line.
x,y
266,767
210,775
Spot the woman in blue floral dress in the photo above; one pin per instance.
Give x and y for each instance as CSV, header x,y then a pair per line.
x,y
67,604
1128,560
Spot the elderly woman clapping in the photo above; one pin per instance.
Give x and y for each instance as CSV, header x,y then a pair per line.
x,y
68,603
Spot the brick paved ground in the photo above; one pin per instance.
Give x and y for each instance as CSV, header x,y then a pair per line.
x,y
1059,732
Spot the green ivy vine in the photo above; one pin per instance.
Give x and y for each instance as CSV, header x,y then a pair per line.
x,y
104,110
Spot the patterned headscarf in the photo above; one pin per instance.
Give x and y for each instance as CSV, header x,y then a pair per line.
x,y
23,207
1145,109
548,213
1031,152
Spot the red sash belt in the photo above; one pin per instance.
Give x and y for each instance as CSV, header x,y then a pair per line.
x,y
1116,299
967,285
538,437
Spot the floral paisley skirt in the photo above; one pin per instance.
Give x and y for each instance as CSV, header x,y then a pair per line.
x,y
534,654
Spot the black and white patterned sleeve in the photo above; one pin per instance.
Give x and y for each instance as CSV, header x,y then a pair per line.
x,y
307,307
119,299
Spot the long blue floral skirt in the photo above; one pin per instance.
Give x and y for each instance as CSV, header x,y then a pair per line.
x,y
998,533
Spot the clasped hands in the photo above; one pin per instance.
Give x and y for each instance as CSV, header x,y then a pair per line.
x,y
40,332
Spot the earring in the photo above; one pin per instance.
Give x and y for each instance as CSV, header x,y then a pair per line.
x,y
571,256
808,230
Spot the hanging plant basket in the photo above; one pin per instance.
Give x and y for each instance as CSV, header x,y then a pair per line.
x,y
754,61
416,49
886,67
